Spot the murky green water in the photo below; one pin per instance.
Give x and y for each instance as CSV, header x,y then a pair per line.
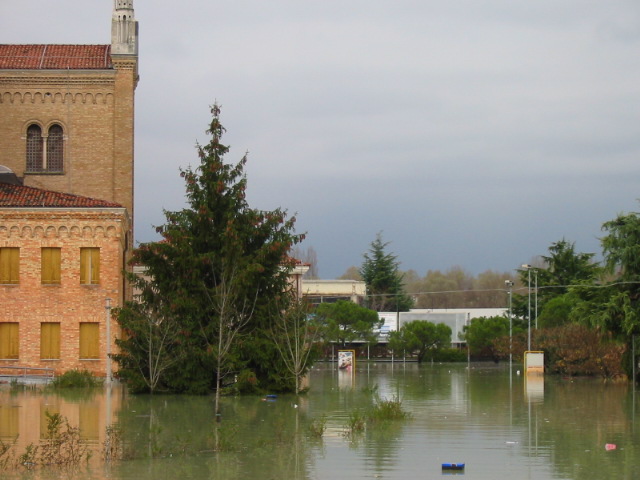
x,y
499,425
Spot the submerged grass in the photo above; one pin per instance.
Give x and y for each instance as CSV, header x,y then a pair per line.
x,y
61,446
382,411
385,410
317,427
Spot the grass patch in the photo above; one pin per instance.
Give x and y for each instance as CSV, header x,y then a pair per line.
x,y
357,423
385,410
318,427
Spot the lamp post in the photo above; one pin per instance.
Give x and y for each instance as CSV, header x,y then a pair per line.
x,y
528,267
535,272
107,309
509,285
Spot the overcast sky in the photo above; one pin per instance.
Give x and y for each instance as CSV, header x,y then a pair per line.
x,y
470,132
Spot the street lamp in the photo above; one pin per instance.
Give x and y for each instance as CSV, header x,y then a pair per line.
x,y
535,288
107,308
509,285
528,268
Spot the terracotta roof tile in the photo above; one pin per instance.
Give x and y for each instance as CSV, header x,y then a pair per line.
x,y
29,197
55,57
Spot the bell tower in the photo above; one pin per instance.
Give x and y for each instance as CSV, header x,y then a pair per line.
x,y
124,29
124,58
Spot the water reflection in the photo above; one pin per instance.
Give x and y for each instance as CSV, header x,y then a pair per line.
x,y
498,423
23,413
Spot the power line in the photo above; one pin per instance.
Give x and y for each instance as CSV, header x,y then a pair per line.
x,y
495,290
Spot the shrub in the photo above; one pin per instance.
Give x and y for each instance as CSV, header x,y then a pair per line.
x,y
75,379
577,350
62,444
450,355
385,410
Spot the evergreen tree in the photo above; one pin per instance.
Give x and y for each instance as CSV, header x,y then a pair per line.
x,y
219,268
563,269
385,289
616,307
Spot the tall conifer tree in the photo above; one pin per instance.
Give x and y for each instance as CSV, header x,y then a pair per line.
x,y
219,267
385,290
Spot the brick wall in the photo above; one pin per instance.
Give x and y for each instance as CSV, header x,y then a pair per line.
x,y
95,109
30,303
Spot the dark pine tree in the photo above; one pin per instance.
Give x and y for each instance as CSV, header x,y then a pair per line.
x,y
385,290
219,268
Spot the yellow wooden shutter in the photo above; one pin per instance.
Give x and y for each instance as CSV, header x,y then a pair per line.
x,y
4,265
9,340
84,266
89,266
50,266
10,265
95,266
89,340
50,341
4,340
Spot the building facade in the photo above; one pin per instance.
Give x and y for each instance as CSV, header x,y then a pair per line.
x,y
61,266
329,291
66,196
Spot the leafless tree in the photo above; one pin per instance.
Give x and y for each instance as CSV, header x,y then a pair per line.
x,y
294,335
309,256
152,334
231,310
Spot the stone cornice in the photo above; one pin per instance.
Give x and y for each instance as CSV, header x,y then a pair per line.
x,y
23,223
91,97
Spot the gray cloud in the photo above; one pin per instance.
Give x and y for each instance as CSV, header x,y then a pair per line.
x,y
470,133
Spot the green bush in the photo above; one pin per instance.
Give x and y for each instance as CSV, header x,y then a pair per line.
x,y
75,379
450,355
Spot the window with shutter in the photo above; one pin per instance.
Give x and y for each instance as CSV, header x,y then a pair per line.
x,y
89,341
9,265
50,263
89,266
9,340
50,341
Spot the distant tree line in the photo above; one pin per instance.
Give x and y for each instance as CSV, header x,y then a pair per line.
x,y
453,288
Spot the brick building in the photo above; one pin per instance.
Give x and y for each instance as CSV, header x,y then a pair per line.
x,y
66,196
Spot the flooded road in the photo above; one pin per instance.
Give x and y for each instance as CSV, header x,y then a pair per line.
x,y
498,423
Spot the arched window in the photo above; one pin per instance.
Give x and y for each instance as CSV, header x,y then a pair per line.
x,y
45,153
34,149
55,149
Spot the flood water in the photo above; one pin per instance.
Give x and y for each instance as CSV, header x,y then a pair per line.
x,y
500,424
